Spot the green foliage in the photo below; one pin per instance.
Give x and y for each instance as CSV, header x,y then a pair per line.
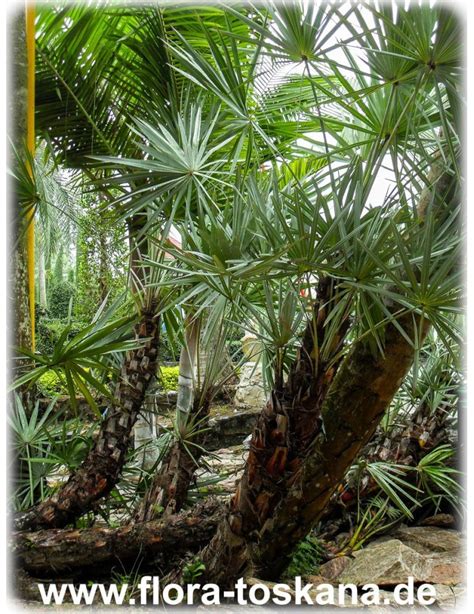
x,y
136,479
168,378
375,517
42,443
392,480
51,384
438,479
234,346
101,258
29,440
167,351
306,558
85,360
60,298
49,330
280,169
406,488
58,271
192,571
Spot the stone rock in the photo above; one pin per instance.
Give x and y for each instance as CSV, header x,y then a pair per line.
x,y
429,554
250,391
444,551
333,568
227,464
321,592
449,597
448,570
440,520
316,580
226,431
386,563
428,540
251,347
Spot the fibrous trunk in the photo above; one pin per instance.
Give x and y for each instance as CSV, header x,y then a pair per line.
x,y
52,551
169,488
280,496
260,539
281,442
101,469
406,444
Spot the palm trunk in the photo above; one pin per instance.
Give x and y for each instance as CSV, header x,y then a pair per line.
x,y
71,550
42,280
168,491
19,299
260,532
187,366
103,267
101,469
406,444
282,495
359,397
282,440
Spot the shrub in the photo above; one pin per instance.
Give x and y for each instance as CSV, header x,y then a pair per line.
x,y
50,384
48,331
168,378
60,295
167,352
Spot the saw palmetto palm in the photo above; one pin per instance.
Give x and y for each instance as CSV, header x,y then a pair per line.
x,y
264,134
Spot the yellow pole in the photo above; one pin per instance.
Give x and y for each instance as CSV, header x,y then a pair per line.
x,y
30,142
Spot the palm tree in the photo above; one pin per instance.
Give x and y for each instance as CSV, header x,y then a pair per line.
x,y
20,303
96,78
269,161
377,275
92,127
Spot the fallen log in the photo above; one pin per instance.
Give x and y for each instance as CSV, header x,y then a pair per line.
x,y
52,551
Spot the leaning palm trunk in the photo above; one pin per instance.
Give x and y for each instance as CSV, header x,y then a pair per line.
x,y
282,494
169,489
101,469
263,525
284,431
406,444
282,440
362,392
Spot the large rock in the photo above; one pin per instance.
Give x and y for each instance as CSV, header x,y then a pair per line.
x,y
429,540
230,430
333,568
386,563
250,391
428,554
440,520
449,597
444,549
